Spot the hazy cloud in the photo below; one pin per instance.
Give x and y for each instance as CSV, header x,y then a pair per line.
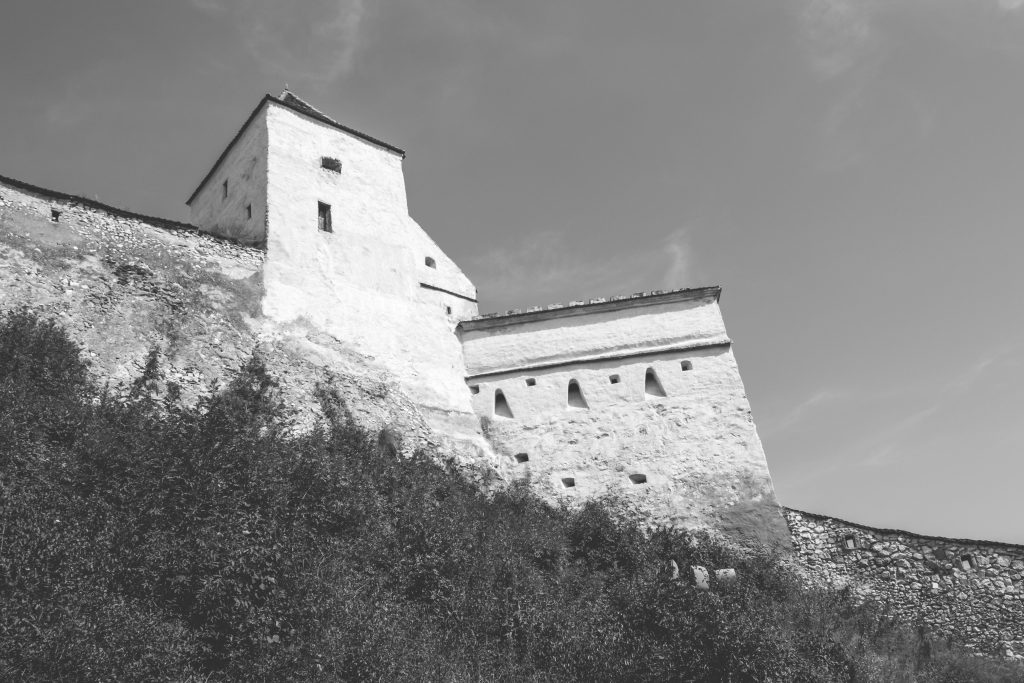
x,y
549,262
311,41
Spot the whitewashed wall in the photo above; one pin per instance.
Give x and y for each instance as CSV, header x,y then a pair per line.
x,y
363,282
244,167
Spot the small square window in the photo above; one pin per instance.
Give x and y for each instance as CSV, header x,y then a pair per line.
x,y
568,482
54,215
531,382
849,542
968,562
430,262
331,164
638,478
224,190
248,212
522,457
474,388
686,366
324,217
614,379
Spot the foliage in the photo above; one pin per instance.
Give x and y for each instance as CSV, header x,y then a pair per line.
x,y
143,540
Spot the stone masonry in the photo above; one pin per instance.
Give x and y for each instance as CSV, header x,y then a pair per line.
x,y
971,592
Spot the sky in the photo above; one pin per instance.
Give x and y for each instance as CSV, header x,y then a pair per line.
x,y
851,172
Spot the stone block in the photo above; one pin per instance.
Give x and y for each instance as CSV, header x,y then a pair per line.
x,y
701,578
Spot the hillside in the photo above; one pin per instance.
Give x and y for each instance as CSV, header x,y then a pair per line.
x,y
146,539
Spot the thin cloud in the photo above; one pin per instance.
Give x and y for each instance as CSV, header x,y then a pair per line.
x,y
306,41
548,269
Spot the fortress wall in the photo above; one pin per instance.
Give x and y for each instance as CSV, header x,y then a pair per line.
x,y
368,282
122,284
969,591
684,451
244,167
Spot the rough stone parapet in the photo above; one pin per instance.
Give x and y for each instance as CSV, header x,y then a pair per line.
x,y
969,591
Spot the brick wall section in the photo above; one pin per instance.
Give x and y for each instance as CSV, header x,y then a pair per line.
x,y
969,591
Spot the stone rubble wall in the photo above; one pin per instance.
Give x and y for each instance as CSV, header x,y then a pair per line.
x,y
123,284
971,592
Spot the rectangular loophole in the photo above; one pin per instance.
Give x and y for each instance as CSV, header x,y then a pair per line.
x,y
474,388
331,164
522,457
323,218
54,215
248,211
568,482
849,542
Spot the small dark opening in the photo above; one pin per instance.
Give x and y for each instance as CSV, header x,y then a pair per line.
x,y
576,399
568,482
54,215
614,379
331,164
652,387
967,562
531,382
448,310
474,388
849,542
638,478
522,457
224,190
501,407
686,365
431,263
323,221
248,211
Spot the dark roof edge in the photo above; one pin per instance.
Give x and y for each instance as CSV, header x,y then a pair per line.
x,y
944,539
64,196
615,303
311,114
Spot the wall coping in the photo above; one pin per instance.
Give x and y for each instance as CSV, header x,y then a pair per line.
x,y
574,308
943,539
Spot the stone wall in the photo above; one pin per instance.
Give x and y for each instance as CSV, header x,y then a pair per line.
x,y
123,284
637,397
969,591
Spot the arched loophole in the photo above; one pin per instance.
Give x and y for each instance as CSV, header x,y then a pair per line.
x,y
430,262
522,457
638,478
501,408
652,386
575,396
568,482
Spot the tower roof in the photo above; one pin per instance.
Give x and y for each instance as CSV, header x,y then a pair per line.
x,y
300,106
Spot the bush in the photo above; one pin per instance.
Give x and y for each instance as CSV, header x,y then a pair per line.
x,y
142,540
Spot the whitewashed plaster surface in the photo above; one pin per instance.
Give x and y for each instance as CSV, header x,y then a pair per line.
x,y
696,446
363,281
244,168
